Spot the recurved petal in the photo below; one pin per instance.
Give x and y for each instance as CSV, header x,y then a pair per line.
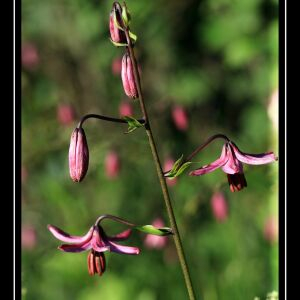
x,y
121,236
221,161
123,249
233,165
254,159
67,238
75,247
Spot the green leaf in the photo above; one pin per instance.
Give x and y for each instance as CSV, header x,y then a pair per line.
x,y
162,231
132,36
183,167
133,124
178,168
118,44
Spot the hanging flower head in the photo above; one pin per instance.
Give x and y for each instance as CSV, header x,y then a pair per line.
x,y
97,242
230,162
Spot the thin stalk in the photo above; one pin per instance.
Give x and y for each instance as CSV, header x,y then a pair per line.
x,y
177,239
105,118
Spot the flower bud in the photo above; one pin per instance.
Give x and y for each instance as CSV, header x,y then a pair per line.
x,y
154,241
180,118
112,165
128,77
78,155
117,35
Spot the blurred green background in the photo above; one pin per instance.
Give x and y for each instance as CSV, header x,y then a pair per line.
x,y
217,60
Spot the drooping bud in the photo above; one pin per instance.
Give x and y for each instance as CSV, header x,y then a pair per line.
x,y
78,155
115,21
219,206
112,164
128,77
96,263
125,109
180,118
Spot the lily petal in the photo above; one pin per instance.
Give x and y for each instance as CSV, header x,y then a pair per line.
x,y
254,159
99,248
67,238
233,165
75,248
121,236
221,161
123,249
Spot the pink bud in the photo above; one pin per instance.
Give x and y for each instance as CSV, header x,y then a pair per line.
x,y
116,66
219,206
128,77
125,109
28,237
167,167
271,229
116,34
155,241
30,57
65,114
180,117
112,165
78,155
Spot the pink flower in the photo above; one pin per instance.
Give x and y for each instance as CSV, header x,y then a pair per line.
x,y
125,109
97,242
65,114
112,164
168,166
116,66
30,56
230,162
271,229
24,174
154,241
180,118
219,206
116,34
28,237
78,155
128,77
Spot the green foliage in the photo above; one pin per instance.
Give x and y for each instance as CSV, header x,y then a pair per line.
x,y
217,58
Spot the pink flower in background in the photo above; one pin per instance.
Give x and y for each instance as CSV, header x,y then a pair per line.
x,y
28,236
271,229
65,114
97,242
116,66
112,164
219,206
125,109
30,56
154,241
230,162
168,166
180,118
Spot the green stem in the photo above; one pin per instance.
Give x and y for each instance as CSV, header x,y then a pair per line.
x,y
177,239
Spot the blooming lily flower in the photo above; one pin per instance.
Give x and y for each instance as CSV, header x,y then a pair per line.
x,y
230,162
98,242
